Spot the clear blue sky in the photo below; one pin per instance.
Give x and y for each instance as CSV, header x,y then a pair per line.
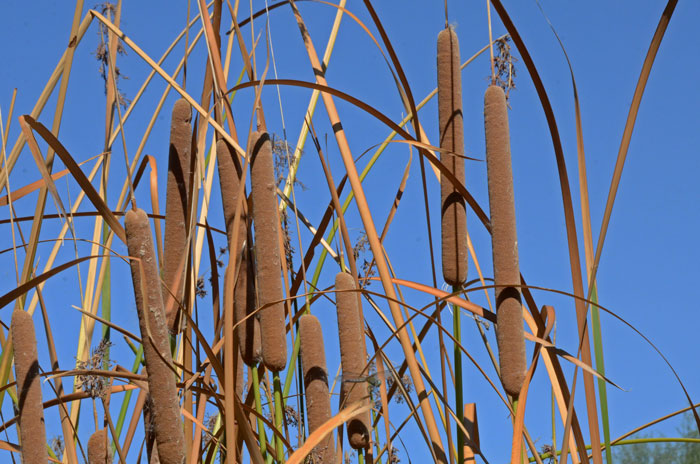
x,y
648,273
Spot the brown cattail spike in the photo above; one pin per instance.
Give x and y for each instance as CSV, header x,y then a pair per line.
x,y
98,448
353,356
318,401
170,437
506,270
176,208
267,253
453,207
244,281
31,410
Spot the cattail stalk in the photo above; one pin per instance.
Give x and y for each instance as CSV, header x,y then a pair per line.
x,y
156,340
267,253
318,401
506,270
98,449
453,207
353,355
176,209
248,332
30,404
454,213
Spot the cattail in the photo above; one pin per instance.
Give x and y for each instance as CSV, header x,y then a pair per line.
x,y
453,208
31,409
267,253
98,448
170,437
176,208
244,281
353,355
509,327
318,401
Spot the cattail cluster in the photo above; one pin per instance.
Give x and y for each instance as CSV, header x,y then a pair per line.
x,y
451,121
353,356
318,402
30,404
506,270
167,424
176,208
267,252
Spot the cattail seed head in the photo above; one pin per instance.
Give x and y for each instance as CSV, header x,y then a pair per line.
x,y
31,408
453,207
318,402
244,281
176,207
170,437
353,356
98,448
267,253
509,328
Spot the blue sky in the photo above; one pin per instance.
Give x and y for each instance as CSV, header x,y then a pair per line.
x,y
648,271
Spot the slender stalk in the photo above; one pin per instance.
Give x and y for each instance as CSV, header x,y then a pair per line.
x,y
279,415
459,400
258,408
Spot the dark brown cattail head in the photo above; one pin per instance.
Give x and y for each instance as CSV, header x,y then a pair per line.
x,y
176,207
248,331
318,401
98,448
30,404
156,340
353,357
453,207
506,270
230,180
267,253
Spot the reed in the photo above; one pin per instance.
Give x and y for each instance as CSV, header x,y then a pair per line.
x,y
30,404
451,121
98,448
267,253
167,423
318,401
353,358
506,270
176,209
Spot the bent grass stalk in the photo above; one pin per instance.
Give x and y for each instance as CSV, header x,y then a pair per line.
x,y
506,270
29,399
167,423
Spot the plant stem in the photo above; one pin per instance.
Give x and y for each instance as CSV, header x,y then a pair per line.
x,y
258,408
459,407
279,407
